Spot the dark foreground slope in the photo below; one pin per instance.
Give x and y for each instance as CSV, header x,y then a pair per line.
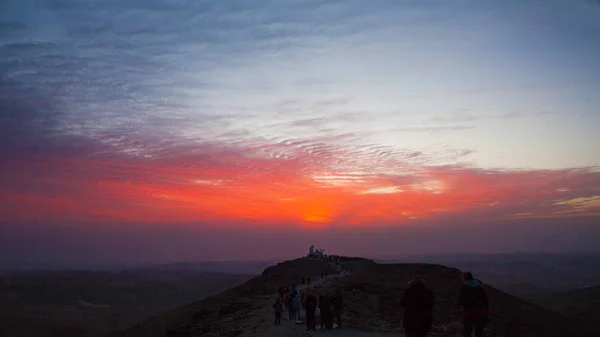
x,y
582,305
92,303
372,294
237,307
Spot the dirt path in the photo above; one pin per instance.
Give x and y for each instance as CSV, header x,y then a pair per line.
x,y
291,329
287,330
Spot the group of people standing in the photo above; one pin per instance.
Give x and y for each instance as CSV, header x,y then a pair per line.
x,y
418,302
289,300
325,307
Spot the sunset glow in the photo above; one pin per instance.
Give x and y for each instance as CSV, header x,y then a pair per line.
x,y
302,115
274,190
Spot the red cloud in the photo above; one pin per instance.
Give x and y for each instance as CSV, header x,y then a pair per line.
x,y
297,182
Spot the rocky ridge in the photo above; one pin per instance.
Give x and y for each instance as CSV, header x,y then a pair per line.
x,y
371,294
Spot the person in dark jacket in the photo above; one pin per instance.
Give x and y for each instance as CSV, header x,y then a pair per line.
x,y
418,302
311,307
278,307
337,300
475,305
289,305
326,313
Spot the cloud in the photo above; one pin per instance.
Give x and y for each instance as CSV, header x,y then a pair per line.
x,y
297,181
156,112
309,122
433,128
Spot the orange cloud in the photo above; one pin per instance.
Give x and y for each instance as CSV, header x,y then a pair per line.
x,y
309,184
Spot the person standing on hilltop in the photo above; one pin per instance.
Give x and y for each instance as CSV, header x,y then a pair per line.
x,y
326,313
278,306
475,305
418,302
337,300
311,308
297,304
288,304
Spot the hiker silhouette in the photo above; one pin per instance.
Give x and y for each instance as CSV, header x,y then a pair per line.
x,y
418,302
311,307
475,305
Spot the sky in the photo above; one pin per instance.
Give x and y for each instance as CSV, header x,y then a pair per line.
x,y
155,130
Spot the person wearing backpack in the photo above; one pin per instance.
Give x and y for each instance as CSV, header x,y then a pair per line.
x,y
278,306
475,305
418,302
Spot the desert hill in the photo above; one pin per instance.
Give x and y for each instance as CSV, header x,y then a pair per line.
x,y
79,303
582,305
372,293
231,310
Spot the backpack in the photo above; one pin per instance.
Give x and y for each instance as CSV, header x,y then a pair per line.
x,y
317,312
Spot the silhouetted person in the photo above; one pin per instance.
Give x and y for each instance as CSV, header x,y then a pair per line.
x,y
418,302
337,301
278,306
311,307
326,313
475,305
296,303
288,304
308,280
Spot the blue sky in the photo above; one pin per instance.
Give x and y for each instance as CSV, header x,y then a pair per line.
x,y
513,81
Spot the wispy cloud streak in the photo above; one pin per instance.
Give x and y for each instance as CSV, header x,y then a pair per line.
x,y
270,112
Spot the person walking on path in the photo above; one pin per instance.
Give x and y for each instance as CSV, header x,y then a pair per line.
x,y
475,305
278,307
288,304
296,303
311,308
326,313
338,306
418,302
